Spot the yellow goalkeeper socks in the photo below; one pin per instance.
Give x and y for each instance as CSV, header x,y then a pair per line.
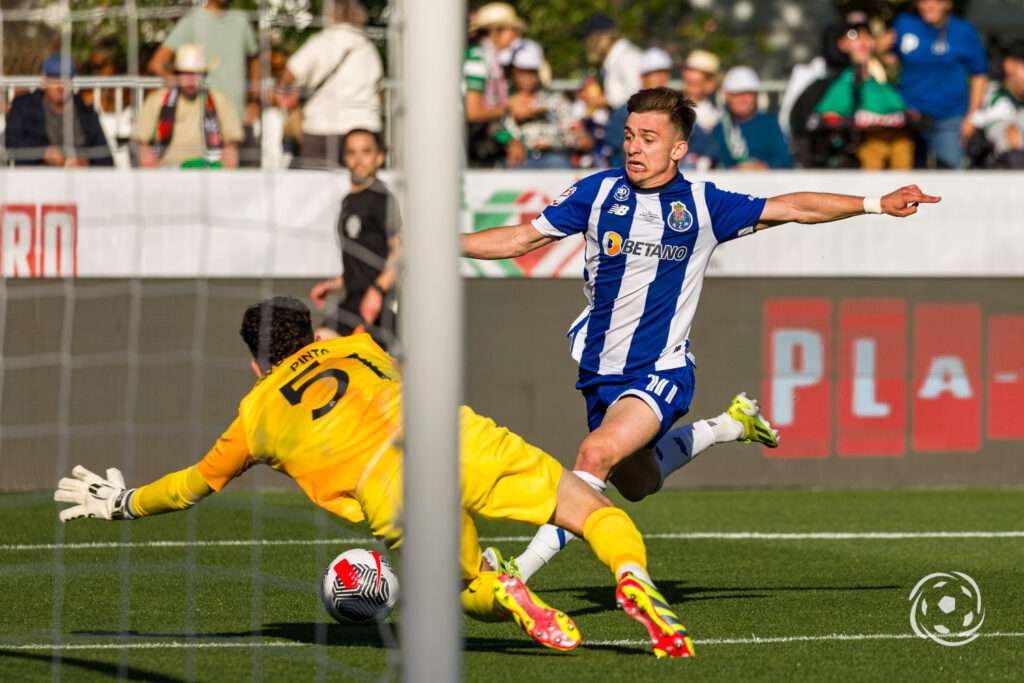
x,y
616,541
478,599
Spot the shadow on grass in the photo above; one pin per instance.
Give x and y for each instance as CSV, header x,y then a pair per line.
x,y
106,669
337,635
678,593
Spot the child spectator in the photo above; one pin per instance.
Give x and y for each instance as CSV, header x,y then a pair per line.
x,y
546,126
863,105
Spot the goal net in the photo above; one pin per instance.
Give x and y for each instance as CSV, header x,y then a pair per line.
x,y
121,295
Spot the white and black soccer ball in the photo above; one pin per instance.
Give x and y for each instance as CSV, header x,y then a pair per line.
x,y
359,587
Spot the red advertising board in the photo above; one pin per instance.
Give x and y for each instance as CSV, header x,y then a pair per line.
x,y
871,391
947,378
798,385
1006,377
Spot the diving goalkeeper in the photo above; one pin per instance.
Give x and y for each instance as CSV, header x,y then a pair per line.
x,y
328,414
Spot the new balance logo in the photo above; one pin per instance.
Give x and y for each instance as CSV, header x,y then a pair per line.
x,y
618,210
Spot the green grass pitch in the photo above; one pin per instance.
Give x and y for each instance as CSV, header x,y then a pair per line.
x,y
191,596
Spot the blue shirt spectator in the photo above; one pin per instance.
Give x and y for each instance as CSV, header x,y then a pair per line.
x,y
938,54
936,62
748,139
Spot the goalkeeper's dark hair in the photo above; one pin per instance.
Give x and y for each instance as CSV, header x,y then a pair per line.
x,y
680,109
276,328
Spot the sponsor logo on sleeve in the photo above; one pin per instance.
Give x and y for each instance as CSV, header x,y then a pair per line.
x,y
562,197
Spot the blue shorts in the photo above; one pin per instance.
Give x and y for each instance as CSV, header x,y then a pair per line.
x,y
667,392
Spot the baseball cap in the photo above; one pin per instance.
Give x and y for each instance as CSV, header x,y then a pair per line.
x,y
741,79
58,66
702,60
655,59
528,55
598,22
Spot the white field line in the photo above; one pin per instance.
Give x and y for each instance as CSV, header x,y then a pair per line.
x,y
200,644
728,536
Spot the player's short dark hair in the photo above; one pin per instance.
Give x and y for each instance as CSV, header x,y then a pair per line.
x,y
363,131
276,328
681,110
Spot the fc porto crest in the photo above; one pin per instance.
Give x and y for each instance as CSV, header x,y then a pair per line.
x,y
621,193
680,219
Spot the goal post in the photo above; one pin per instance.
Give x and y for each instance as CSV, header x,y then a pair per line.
x,y
432,35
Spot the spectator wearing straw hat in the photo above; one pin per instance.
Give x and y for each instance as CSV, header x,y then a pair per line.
x,y
748,139
493,28
188,124
230,43
701,72
53,127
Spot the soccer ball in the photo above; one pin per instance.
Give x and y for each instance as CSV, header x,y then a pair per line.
x,y
359,587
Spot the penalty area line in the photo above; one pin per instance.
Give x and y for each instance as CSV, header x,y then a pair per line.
x,y
752,640
697,535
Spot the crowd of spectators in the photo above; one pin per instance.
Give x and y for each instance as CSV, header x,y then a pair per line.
x,y
915,94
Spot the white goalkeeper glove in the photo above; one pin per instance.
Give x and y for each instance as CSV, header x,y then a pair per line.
x,y
94,496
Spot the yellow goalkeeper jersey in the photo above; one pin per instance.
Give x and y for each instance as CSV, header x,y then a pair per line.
x,y
325,416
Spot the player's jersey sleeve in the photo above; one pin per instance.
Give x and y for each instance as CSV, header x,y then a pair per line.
x,y
569,213
228,458
732,214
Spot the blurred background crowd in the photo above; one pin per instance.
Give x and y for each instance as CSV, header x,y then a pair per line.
x,y
869,84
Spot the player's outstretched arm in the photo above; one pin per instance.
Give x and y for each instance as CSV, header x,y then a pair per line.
x,y
823,207
506,242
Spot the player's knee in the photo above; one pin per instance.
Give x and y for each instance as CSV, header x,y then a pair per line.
x,y
596,455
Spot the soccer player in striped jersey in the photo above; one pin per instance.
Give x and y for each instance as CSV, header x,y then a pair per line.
x,y
327,413
649,236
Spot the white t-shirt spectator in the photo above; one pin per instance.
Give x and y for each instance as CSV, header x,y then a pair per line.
x,y
621,72
350,97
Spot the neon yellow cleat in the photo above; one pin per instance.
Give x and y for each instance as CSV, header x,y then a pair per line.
x,y
644,603
755,428
492,556
545,624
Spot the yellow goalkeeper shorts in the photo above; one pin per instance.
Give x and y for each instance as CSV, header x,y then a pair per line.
x,y
503,477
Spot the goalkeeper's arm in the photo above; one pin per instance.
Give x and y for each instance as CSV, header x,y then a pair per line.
x,y
108,498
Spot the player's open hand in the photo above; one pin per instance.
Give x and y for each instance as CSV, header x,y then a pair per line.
x,y
93,495
904,201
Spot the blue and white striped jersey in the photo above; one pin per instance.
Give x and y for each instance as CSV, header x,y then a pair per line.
x,y
646,253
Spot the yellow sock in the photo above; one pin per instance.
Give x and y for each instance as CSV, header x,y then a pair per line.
x,y
478,599
615,539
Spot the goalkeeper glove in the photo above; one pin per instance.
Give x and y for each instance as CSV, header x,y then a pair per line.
x,y
94,496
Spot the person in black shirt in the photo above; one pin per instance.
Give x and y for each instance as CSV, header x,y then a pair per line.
x,y
369,234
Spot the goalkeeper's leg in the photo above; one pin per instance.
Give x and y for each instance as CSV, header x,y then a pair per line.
x,y
617,543
626,428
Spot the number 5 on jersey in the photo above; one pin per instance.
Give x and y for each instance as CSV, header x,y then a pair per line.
x,y
294,393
